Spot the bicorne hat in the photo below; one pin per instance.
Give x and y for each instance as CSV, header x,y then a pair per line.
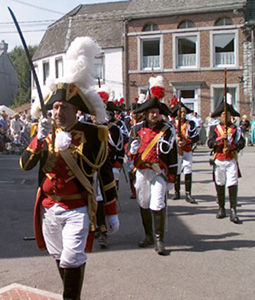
x,y
153,103
174,112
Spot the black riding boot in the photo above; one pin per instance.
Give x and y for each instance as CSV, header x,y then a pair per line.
x,y
131,183
159,225
60,270
233,203
177,185
188,183
73,280
102,230
147,225
221,201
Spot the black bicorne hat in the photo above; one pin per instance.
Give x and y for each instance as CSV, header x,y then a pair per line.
x,y
153,103
71,93
111,107
221,107
174,112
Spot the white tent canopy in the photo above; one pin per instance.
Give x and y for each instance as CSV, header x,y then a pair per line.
x,y
8,111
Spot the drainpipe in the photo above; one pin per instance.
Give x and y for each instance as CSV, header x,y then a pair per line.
x,y
125,67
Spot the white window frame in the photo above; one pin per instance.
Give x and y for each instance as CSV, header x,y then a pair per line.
x,y
141,39
44,76
99,61
212,53
59,59
175,50
221,86
197,91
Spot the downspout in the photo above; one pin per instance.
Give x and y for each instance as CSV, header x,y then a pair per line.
x,y
125,65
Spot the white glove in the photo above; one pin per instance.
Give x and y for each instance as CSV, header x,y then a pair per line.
x,y
44,128
112,223
135,145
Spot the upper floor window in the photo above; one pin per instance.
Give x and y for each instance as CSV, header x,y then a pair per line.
x,y
46,71
224,49
186,51
59,68
150,53
98,71
150,27
186,24
223,22
33,81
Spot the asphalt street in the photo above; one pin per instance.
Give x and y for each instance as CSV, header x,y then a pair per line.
x,y
207,258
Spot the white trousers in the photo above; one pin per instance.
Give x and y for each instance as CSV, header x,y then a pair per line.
x,y
151,189
226,172
185,163
65,233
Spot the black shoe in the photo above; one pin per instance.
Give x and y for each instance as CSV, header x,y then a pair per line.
x,y
176,196
190,199
146,242
133,197
221,213
233,217
160,248
102,240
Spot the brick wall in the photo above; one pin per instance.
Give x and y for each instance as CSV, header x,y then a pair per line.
x,y
205,74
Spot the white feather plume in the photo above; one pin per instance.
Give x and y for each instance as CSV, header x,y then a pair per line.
x,y
78,69
141,99
36,110
156,81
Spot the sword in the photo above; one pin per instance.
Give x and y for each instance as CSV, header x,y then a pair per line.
x,y
44,111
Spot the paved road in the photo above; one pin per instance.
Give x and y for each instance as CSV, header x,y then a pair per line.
x,y
208,258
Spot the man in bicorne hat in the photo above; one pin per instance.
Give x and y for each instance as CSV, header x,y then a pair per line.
x,y
69,154
185,139
226,141
153,148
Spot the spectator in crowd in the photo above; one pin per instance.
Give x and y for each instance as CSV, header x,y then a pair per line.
x,y
245,127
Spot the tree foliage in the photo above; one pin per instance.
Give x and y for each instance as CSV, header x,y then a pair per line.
x,y
21,65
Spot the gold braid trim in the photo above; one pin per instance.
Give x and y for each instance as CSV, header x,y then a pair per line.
x,y
109,186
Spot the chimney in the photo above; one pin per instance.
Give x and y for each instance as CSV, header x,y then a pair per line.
x,y
3,47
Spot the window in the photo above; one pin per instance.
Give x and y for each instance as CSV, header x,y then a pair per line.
x,y
186,24
59,68
46,71
150,52
224,49
187,51
36,71
98,71
219,95
223,22
150,27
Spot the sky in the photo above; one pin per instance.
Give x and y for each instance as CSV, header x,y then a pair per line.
x,y
34,16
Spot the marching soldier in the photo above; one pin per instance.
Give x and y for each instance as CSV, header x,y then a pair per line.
x,y
152,146
69,154
187,135
226,140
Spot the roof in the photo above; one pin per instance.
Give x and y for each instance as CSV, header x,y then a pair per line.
x,y
103,22
146,8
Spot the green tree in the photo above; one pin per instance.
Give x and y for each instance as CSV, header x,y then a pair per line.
x,y
21,65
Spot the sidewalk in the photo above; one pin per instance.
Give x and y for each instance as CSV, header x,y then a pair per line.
x,y
21,292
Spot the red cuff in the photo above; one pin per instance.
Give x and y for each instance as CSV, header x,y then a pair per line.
x,y
111,208
117,164
171,178
36,146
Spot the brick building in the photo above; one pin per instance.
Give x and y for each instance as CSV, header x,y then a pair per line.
x,y
190,43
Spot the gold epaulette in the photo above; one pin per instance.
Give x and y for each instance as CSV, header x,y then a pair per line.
x,y
102,133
